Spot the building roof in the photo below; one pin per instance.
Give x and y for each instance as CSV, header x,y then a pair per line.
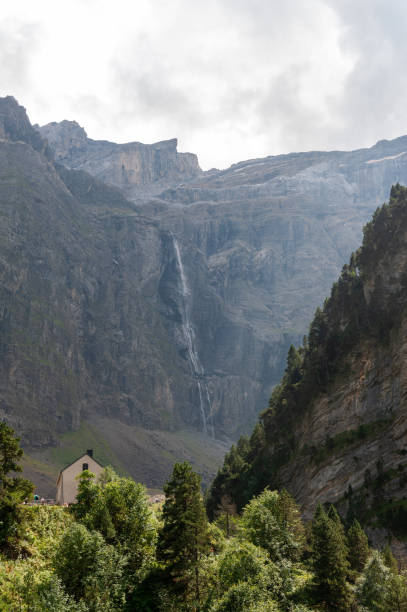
x,y
75,460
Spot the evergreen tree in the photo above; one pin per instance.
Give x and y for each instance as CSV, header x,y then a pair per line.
x,y
389,559
13,489
396,592
332,513
184,536
372,585
294,363
331,567
358,547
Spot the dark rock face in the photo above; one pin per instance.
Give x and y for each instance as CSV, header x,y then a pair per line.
x,y
15,126
82,327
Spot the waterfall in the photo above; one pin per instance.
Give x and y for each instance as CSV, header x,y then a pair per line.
x,y
189,335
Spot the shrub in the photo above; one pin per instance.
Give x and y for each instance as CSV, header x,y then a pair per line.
x,y
90,570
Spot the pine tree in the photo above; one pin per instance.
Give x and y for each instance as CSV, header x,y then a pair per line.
x,y
389,559
371,587
184,536
13,489
294,363
334,516
358,547
396,592
330,561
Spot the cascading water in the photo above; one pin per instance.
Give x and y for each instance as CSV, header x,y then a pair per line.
x,y
189,335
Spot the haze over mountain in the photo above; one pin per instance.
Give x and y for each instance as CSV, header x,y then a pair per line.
x,y
156,323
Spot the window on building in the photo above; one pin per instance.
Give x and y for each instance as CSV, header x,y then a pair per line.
x,y
85,466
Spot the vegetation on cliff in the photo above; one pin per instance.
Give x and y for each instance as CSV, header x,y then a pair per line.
x,y
361,308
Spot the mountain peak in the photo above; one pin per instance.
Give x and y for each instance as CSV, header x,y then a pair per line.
x,y
65,135
15,125
134,167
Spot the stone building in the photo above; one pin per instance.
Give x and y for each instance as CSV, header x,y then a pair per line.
x,y
67,483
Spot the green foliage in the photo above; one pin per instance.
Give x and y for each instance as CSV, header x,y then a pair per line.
x,y
31,591
241,597
393,515
389,559
85,566
13,490
272,520
330,560
358,547
90,570
381,588
347,438
118,509
50,594
27,582
242,561
396,592
293,370
244,473
184,537
371,586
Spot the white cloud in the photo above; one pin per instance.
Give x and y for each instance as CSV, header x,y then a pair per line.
x,y
232,79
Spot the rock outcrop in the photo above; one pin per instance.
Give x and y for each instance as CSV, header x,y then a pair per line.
x,y
138,169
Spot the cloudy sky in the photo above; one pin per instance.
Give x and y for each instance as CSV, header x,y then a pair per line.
x,y
232,79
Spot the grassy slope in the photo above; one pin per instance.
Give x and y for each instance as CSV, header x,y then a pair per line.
x,y
146,455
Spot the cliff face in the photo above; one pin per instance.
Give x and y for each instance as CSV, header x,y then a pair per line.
x,y
130,321
355,431
336,427
261,244
136,168
85,326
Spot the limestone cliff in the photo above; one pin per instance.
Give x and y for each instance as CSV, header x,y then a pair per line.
x,y
84,336
336,427
261,243
136,168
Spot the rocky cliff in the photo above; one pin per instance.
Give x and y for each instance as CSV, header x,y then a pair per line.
x,y
128,322
336,427
138,169
84,331
261,243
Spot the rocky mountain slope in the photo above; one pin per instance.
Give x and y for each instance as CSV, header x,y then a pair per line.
x,y
261,243
82,328
336,427
129,322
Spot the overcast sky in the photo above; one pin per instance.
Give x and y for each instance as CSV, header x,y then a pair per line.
x,y
231,79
